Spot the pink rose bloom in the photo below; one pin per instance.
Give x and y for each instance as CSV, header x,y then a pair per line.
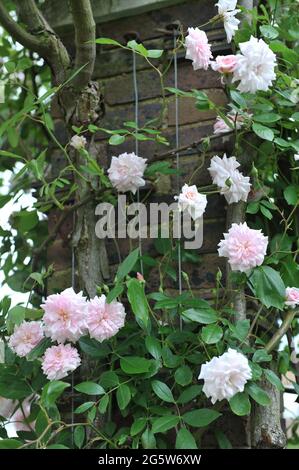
x,y
64,316
292,297
140,277
192,201
25,337
198,49
224,63
104,320
237,120
244,247
78,142
59,361
126,172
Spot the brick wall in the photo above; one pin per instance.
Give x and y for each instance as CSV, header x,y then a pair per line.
x,y
114,72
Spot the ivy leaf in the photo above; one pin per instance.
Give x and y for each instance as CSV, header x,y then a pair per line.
x,y
162,391
240,404
200,418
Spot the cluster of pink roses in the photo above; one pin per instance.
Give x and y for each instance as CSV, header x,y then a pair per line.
x,y
67,317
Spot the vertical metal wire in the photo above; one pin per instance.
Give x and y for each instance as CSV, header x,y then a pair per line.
x,y
136,101
73,375
177,142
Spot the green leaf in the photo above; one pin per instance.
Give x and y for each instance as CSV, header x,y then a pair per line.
x,y
103,404
200,418
135,46
261,355
165,423
84,407
138,302
258,394
205,316
134,365
116,139
127,265
291,194
109,379
109,41
237,97
162,391
269,31
12,385
123,396
153,346
263,132
189,394
268,287
267,117
154,53
90,388
222,440
183,376
211,334
39,349
185,440
148,439
93,348
10,443
273,379
138,425
240,404
52,391
115,292
79,436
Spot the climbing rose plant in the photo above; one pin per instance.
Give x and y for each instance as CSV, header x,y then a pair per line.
x,y
142,369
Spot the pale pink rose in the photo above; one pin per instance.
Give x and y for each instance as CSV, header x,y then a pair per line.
x,y
233,184
244,247
227,10
64,316
237,122
140,277
25,337
59,361
126,172
104,320
292,297
224,63
78,142
226,375
192,201
255,69
198,49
